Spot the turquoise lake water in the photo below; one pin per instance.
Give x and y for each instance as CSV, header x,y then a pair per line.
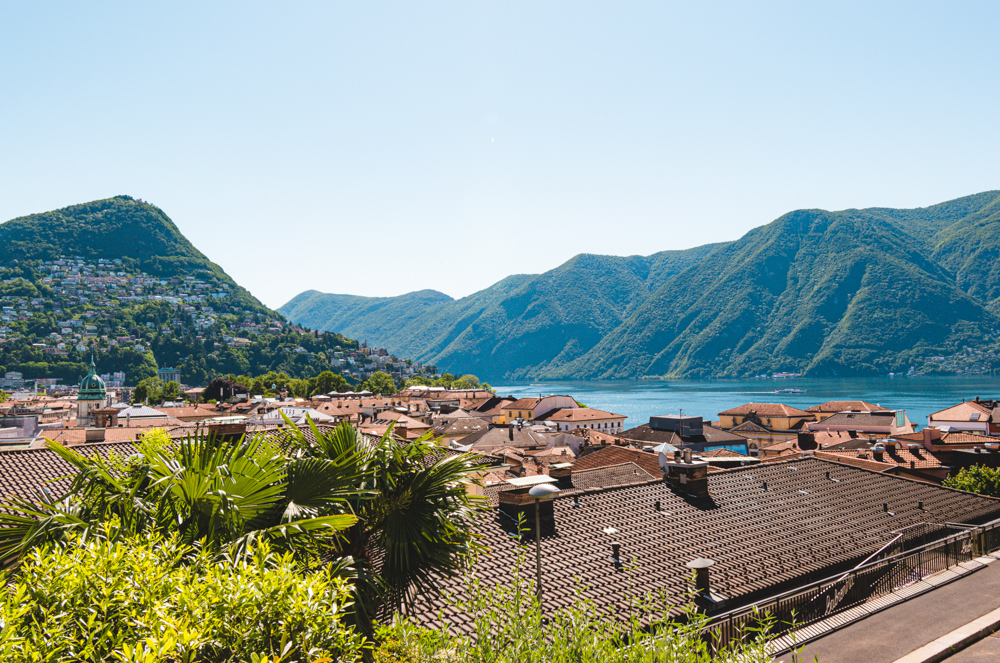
x,y
639,400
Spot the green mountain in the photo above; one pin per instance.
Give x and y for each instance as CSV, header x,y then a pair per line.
x,y
855,292
117,277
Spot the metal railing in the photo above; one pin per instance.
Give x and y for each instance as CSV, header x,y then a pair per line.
x,y
885,572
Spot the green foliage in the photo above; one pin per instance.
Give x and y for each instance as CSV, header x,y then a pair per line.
x,y
326,382
127,598
380,383
418,380
149,391
3,396
854,292
221,493
977,479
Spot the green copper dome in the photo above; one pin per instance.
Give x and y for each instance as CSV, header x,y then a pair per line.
x,y
92,388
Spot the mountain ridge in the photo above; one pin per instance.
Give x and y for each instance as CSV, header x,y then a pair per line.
x,y
849,292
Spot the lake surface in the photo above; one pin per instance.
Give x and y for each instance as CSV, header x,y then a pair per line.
x,y
639,400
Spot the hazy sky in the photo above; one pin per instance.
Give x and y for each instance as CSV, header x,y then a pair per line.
x,y
377,148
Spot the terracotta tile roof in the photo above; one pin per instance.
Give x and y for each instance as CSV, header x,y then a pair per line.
x,y
803,527
961,412
607,456
766,410
852,458
843,406
576,414
596,436
555,452
523,404
966,438
907,458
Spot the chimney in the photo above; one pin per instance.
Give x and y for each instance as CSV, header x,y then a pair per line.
x,y
518,501
510,433
689,475
93,435
877,454
227,432
616,549
931,435
806,440
706,598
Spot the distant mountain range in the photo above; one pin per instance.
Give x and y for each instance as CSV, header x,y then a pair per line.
x,y
855,292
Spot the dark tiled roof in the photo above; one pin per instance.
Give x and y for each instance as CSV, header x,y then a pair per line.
x,y
857,420
613,475
28,473
804,526
501,437
710,435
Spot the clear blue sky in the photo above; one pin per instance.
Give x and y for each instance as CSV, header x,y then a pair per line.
x,y
377,148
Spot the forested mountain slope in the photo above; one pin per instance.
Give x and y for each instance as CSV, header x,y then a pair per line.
x,y
853,292
117,278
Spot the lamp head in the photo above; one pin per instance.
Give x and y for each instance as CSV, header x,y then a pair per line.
x,y
543,490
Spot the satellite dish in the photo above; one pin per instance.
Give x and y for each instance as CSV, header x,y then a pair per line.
x,y
664,459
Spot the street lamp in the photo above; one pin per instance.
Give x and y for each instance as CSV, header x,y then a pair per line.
x,y
538,492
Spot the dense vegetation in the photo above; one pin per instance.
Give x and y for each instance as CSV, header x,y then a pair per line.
x,y
119,597
137,241
855,292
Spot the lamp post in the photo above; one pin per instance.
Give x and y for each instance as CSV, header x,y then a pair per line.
x,y
538,492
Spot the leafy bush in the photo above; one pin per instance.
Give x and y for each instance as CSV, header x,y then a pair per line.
x,y
127,598
976,479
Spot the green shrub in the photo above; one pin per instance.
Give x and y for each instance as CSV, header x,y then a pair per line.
x,y
976,479
507,626
133,600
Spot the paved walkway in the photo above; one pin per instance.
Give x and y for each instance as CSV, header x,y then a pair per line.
x,y
987,649
901,629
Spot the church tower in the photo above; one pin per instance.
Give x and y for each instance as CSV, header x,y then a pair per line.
x,y
93,396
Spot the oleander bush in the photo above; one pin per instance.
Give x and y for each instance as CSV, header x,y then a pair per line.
x,y
145,598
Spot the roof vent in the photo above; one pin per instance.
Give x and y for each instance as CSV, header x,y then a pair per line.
x,y
706,597
616,549
765,486
656,505
920,505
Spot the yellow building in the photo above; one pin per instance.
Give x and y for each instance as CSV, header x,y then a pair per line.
x,y
774,416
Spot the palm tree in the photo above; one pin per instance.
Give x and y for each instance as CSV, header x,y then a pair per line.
x,y
414,512
214,492
399,513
